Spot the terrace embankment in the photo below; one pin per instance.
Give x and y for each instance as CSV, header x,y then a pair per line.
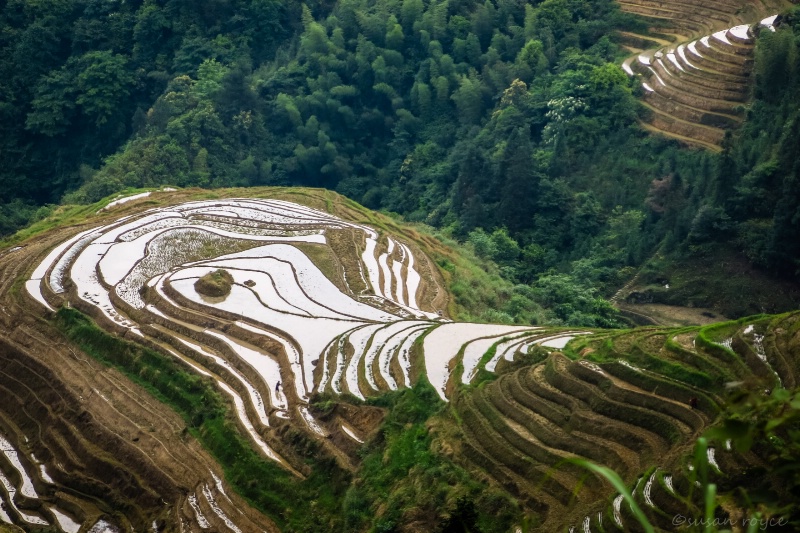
x,y
696,82
111,450
634,401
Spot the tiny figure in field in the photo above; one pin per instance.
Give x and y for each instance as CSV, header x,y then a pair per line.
x,y
693,402
277,386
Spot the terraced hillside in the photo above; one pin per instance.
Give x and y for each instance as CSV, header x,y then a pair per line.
x,y
634,401
686,20
83,447
315,299
317,304
695,66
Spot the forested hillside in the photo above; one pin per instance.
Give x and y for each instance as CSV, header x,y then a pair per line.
x,y
507,125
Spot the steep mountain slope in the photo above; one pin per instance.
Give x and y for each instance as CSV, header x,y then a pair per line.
x,y
318,304
300,386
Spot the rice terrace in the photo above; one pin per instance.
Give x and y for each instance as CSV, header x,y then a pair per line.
x,y
278,383
399,266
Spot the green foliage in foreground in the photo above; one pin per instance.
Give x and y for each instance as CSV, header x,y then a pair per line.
x,y
619,485
767,425
604,352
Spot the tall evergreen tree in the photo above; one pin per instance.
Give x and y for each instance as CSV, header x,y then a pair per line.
x,y
520,182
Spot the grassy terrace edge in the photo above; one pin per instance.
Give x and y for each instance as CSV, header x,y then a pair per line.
x,y
208,419
329,498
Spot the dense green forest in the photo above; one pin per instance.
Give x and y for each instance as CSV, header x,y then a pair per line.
x,y
507,125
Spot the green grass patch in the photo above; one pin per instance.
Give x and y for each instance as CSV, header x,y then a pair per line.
x,y
606,352
709,338
61,217
324,260
722,330
670,369
403,479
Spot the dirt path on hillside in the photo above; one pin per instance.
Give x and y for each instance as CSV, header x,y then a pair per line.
x,y
670,315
